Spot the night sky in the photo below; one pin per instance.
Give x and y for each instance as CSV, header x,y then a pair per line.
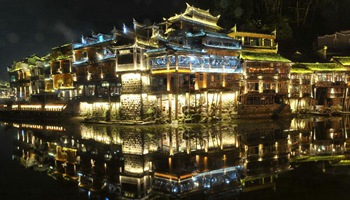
x,y
35,26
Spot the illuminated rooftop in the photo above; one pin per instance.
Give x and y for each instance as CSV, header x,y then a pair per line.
x,y
265,56
319,67
197,16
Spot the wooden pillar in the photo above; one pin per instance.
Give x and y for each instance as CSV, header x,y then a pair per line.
x,y
177,82
220,105
138,187
177,96
160,103
169,96
261,86
170,134
134,49
177,140
116,61
345,100
207,101
170,102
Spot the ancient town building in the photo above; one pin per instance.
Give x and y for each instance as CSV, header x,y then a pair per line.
x,y
183,69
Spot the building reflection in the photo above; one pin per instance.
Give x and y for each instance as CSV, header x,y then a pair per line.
x,y
100,160
321,139
265,150
194,160
180,161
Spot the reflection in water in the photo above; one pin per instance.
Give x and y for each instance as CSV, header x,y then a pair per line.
x,y
181,161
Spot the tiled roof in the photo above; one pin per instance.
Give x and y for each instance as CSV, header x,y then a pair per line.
x,y
266,56
320,67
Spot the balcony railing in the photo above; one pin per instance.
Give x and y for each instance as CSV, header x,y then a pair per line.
x,y
80,62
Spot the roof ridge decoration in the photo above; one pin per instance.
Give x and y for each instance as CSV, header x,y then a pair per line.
x,y
197,16
137,24
199,11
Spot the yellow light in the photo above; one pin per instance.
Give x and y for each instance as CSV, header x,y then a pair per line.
x,y
145,80
56,107
30,106
131,76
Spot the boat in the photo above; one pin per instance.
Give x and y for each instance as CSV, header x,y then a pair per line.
x,y
262,105
326,112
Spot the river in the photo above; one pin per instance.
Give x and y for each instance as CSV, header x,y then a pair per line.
x,y
300,158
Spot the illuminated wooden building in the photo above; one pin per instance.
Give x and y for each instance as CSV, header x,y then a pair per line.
x,y
33,90
26,77
182,69
263,68
265,75
112,69
94,67
195,68
131,68
62,76
5,90
344,61
318,86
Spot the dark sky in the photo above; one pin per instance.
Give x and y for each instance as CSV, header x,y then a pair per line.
x,y
35,26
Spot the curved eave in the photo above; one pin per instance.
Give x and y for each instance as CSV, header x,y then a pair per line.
x,y
112,58
222,47
343,60
204,13
178,50
264,57
156,51
15,70
194,21
80,63
320,67
98,43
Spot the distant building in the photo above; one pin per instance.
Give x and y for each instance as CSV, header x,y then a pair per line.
x,y
337,44
338,40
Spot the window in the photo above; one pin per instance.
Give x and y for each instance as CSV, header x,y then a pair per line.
x,y
267,43
126,59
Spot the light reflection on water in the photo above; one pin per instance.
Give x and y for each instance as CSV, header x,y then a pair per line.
x,y
191,161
